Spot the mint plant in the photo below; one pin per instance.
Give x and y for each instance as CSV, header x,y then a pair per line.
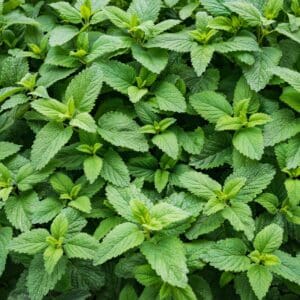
x,y
149,149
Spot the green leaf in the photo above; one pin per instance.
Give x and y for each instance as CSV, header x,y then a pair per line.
x,y
46,210
168,143
13,69
290,76
210,105
135,94
204,224
199,184
288,124
259,74
49,140
19,210
117,16
117,75
62,34
268,239
84,88
39,282
240,217
30,242
169,98
5,237
52,109
216,151
249,142
201,57
153,59
288,268
145,11
81,245
59,226
7,149
92,167
106,226
260,279
161,178
67,12
122,238
51,258
107,44
166,256
128,293
258,177
120,130
114,169
85,122
291,97
82,203
269,202
167,214
247,11
238,43
180,42
226,255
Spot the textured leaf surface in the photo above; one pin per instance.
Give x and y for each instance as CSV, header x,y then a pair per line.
x,y
122,238
166,256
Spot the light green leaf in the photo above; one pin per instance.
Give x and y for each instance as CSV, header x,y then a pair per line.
x,y
46,210
268,239
260,279
107,44
52,256
19,210
161,178
168,143
82,203
62,34
85,122
201,57
210,105
49,140
30,242
92,167
5,237
226,255
240,217
288,268
290,76
7,149
81,245
249,142
118,75
169,98
67,12
122,238
166,256
199,184
167,214
153,59
288,125
39,282
120,130
145,10
84,88
178,42
135,94
259,74
52,109
246,11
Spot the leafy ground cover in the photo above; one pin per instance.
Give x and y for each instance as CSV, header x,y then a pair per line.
x,y
150,149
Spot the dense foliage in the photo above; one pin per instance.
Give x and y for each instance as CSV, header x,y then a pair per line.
x,y
150,149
